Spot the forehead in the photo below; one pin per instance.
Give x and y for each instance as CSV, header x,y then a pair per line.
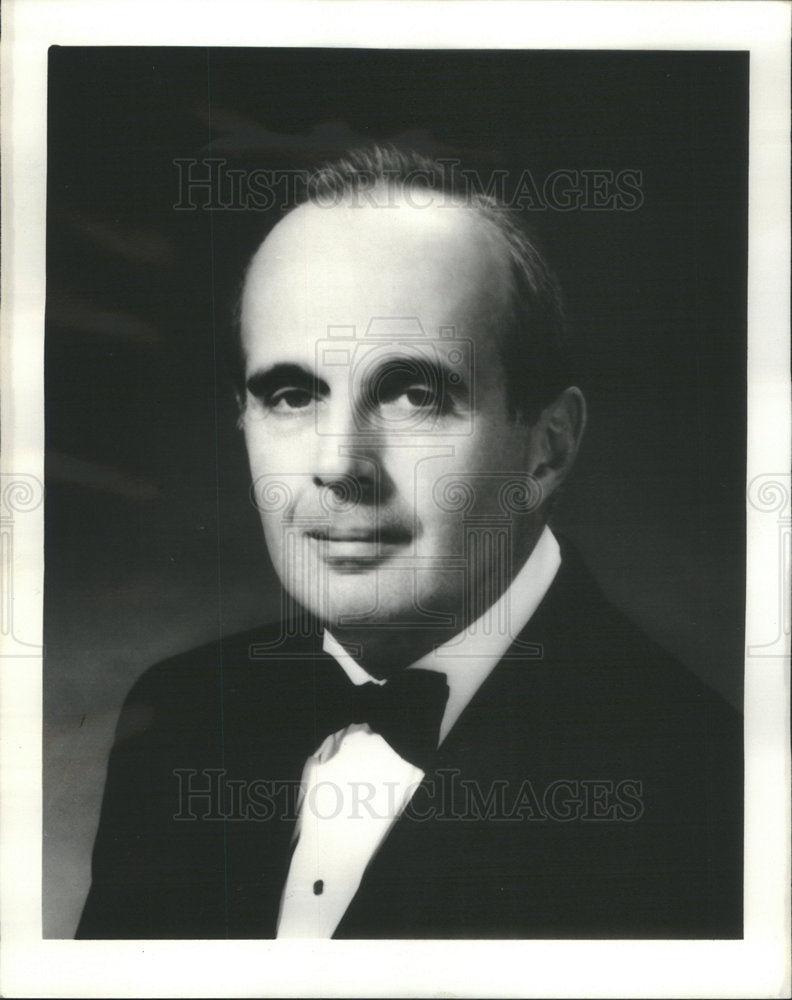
x,y
354,266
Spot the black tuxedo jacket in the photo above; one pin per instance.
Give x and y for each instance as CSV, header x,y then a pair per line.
x,y
591,789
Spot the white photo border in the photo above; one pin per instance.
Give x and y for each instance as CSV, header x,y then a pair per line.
x,y
756,966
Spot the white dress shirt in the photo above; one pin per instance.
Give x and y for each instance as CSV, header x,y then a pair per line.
x,y
355,786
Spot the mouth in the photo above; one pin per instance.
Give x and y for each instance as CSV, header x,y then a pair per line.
x,y
367,535
352,548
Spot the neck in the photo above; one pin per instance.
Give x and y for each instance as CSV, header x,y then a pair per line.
x,y
385,648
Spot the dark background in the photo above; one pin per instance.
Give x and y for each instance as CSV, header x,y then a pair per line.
x,y
152,545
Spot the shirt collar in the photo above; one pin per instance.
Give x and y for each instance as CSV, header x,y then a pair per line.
x,y
469,658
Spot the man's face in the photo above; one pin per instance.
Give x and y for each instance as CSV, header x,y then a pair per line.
x,y
375,416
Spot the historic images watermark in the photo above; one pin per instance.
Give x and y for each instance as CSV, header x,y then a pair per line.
x,y
771,495
210,184
210,794
20,494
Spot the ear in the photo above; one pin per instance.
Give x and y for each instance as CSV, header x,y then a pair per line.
x,y
555,439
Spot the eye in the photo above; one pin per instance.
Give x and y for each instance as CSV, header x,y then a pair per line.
x,y
289,399
406,387
286,390
418,397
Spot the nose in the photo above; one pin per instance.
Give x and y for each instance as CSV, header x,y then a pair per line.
x,y
347,456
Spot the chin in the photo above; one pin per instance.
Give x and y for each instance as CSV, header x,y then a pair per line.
x,y
342,596
350,595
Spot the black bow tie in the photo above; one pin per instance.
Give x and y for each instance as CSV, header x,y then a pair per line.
x,y
406,711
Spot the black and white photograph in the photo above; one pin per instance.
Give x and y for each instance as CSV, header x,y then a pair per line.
x,y
396,495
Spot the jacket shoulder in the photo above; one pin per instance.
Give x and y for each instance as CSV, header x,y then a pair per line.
x,y
201,684
580,618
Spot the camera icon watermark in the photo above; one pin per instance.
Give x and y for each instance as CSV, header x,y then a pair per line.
x,y
402,378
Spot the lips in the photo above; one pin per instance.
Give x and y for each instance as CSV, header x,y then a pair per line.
x,y
357,548
385,535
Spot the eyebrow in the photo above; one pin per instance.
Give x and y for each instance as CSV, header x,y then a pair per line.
x,y
440,372
261,383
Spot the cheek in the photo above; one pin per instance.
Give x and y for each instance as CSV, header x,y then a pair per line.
x,y
499,445
265,451
276,472
469,479
273,531
256,451
275,492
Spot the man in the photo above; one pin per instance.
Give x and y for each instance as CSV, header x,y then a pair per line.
x,y
451,733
